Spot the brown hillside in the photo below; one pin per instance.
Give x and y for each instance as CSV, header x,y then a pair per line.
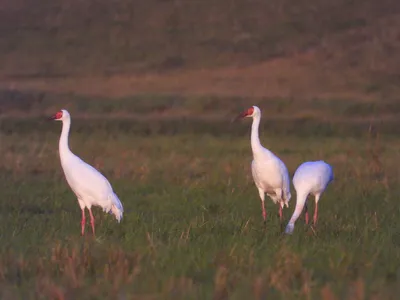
x,y
305,48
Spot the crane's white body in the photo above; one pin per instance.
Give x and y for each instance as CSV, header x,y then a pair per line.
x,y
269,172
311,177
271,177
89,185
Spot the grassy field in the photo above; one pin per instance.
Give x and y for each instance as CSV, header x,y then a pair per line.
x,y
152,86
192,227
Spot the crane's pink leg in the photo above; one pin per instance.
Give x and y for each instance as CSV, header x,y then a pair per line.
x,y
264,213
280,212
83,222
92,220
316,213
306,213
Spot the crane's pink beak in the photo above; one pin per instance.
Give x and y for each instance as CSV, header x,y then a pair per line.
x,y
52,118
241,116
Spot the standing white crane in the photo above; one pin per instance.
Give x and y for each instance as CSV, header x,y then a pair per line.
x,y
311,177
269,172
89,185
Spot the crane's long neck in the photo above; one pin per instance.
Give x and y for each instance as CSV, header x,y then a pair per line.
x,y
255,140
63,143
300,202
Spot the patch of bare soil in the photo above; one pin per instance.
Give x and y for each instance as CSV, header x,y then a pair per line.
x,y
299,76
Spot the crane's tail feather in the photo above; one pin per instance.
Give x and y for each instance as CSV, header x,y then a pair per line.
x,y
286,198
116,207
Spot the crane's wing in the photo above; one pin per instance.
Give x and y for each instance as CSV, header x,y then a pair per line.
x,y
86,180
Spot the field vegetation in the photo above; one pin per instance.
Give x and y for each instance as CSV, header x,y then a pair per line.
x,y
152,87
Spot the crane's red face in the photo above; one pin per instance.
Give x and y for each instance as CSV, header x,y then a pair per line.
x,y
247,113
58,116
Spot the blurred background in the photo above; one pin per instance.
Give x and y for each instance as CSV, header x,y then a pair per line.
x,y
152,87
309,59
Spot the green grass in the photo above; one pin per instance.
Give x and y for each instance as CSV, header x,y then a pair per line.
x,y
192,227
147,115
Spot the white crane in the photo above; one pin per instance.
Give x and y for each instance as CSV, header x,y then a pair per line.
x,y
311,177
269,172
90,186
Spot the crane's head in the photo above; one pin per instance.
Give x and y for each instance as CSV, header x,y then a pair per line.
x,y
60,116
249,113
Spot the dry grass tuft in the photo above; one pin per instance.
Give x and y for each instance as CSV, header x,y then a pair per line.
x,y
221,284
356,290
327,293
288,272
375,150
